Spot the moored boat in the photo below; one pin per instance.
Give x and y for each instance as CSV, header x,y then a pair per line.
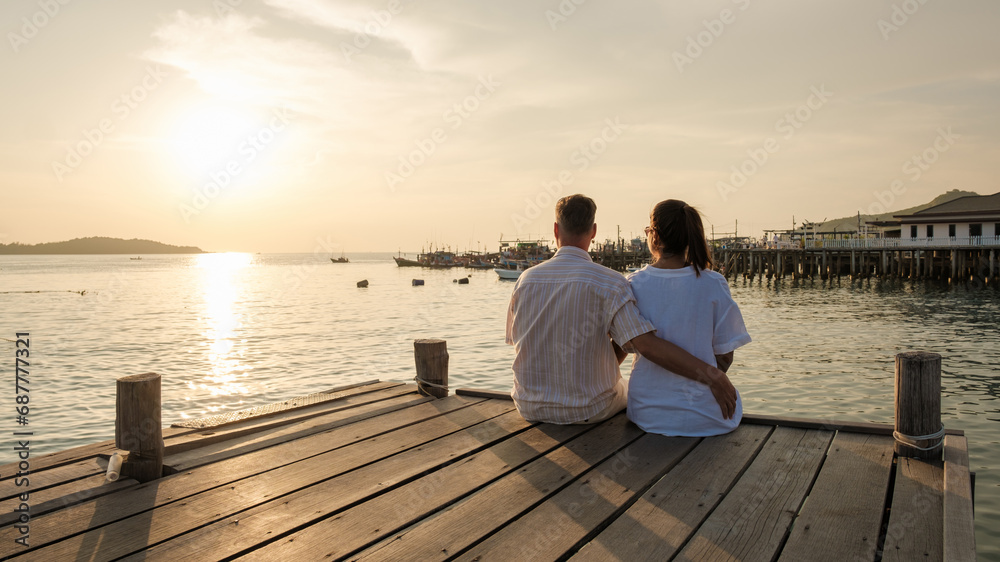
x,y
439,259
504,273
403,262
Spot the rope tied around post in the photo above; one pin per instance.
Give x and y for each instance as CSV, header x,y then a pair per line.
x,y
915,440
421,383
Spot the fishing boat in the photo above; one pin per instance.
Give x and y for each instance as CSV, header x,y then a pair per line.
x,y
531,251
479,264
136,258
476,260
403,262
511,274
341,259
438,259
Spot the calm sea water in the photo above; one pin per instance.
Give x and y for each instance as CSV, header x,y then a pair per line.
x,y
230,331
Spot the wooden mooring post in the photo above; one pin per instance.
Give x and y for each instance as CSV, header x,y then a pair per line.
x,y
918,430
431,357
138,427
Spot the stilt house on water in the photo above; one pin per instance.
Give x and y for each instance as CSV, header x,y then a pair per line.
x,y
971,220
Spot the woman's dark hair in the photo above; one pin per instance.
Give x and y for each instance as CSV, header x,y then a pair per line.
x,y
679,231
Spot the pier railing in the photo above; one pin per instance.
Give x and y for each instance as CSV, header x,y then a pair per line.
x,y
884,243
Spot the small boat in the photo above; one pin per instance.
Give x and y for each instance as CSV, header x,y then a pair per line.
x,y
403,262
341,259
504,273
479,264
136,258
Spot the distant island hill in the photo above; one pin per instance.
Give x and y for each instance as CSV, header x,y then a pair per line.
x,y
98,245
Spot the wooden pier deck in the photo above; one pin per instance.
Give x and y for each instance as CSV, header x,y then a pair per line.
x,y
378,472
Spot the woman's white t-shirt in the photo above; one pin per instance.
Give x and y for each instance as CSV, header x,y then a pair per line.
x,y
698,314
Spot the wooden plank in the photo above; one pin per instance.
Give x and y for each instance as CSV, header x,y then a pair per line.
x,y
358,397
243,531
959,525
556,526
456,528
62,496
475,393
291,405
349,386
174,488
379,517
666,516
299,407
834,525
829,425
753,520
274,436
129,535
41,479
82,452
760,419
916,525
68,456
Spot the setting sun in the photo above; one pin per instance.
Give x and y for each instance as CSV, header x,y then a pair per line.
x,y
204,139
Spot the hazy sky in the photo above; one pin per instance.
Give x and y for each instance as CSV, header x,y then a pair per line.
x,y
272,125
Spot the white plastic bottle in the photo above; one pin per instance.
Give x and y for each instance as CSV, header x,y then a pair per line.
x,y
114,465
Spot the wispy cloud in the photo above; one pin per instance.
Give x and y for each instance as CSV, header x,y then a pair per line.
x,y
231,59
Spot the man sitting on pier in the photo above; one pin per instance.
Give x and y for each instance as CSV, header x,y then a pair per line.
x,y
560,317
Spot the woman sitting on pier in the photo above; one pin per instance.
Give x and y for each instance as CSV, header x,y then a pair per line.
x,y
691,306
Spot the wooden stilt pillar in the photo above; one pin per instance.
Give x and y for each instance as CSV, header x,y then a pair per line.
x,y
918,430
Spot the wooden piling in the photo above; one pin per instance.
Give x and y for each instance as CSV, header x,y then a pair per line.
x,y
918,428
138,427
431,357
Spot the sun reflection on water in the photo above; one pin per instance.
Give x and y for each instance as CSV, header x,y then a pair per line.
x,y
221,324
